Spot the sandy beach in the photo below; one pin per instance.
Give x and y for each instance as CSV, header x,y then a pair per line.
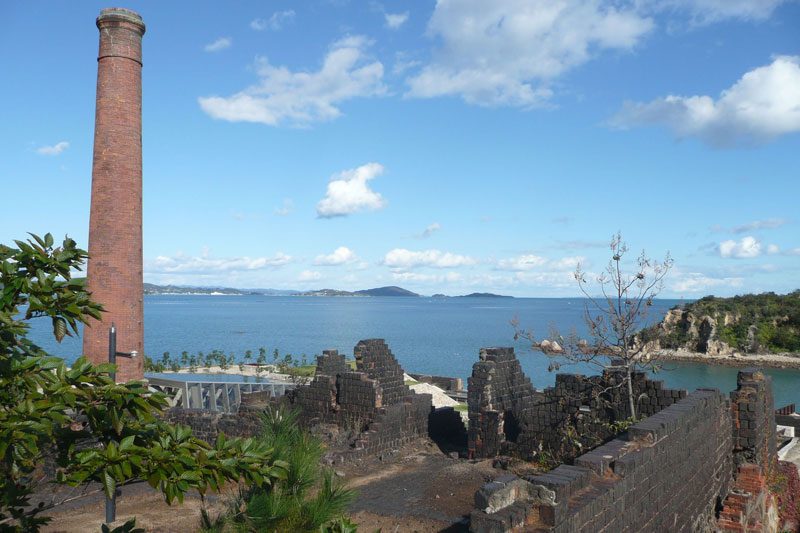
x,y
778,360
267,371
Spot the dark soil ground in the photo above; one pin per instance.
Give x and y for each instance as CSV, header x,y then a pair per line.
x,y
417,489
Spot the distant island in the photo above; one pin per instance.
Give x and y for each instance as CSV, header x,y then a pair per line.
x,y
152,289
473,295
380,291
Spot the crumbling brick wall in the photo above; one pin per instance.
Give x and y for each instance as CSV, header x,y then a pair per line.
x,y
507,416
754,417
331,363
375,359
666,474
669,472
373,401
500,405
206,424
750,508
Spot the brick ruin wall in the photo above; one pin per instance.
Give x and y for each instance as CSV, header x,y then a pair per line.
x,y
696,463
507,416
752,405
375,359
206,424
668,473
373,401
331,363
337,395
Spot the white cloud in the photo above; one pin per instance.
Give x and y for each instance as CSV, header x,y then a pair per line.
x,y
548,279
416,277
506,52
275,22
762,106
568,263
430,230
769,223
402,259
341,256
288,207
309,275
396,20
402,62
220,44
521,263
707,11
696,282
577,245
53,150
773,249
746,248
349,192
526,262
301,98
181,263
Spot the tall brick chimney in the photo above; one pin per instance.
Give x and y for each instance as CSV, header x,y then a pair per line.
x,y
114,273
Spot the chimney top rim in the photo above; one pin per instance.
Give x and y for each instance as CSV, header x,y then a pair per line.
x,y
120,14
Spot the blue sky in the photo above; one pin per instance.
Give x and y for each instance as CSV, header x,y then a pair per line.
x,y
451,146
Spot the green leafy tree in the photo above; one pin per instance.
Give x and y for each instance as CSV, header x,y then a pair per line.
x,y
48,409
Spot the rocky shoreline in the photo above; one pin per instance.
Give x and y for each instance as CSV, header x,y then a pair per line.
x,y
779,360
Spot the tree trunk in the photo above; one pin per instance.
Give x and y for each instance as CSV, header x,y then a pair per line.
x,y
630,392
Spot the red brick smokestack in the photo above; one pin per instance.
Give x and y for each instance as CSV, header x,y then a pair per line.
x,y
114,274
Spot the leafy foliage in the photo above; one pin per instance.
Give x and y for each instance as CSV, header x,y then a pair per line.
x,y
775,317
94,429
308,499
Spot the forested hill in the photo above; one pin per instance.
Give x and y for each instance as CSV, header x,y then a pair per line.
x,y
752,323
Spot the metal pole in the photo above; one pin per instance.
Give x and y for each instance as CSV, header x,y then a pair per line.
x,y
112,349
111,503
111,508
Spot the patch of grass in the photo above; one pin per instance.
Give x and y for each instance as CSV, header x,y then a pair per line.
x,y
351,364
411,382
305,371
461,408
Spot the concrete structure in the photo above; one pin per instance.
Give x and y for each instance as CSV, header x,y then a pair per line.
x,y
114,274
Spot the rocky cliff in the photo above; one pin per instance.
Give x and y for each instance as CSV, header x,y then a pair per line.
x,y
763,323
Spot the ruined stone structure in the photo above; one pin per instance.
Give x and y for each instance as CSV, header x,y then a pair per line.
x,y
206,424
114,273
374,402
673,471
507,416
330,363
754,417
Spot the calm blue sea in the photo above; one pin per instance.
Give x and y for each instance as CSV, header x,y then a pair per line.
x,y
439,336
